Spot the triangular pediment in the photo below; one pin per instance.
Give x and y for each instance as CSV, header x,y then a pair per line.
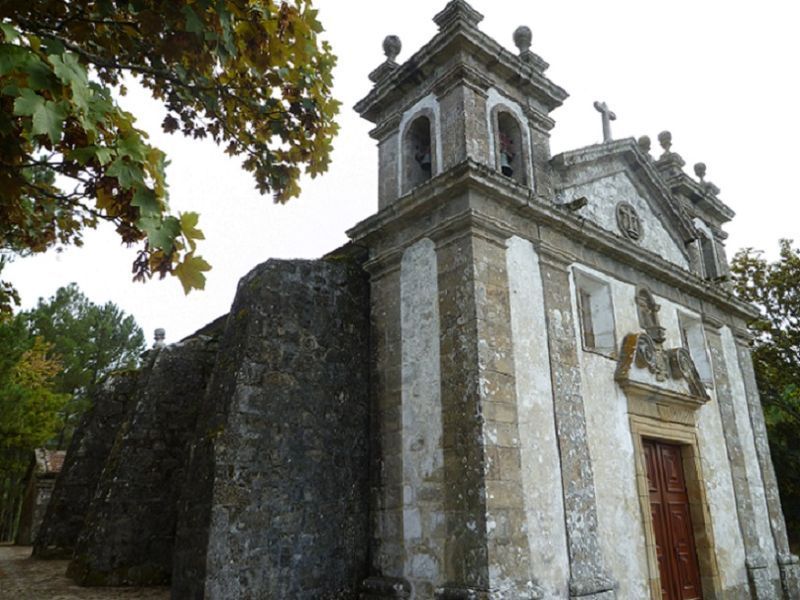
x,y
618,173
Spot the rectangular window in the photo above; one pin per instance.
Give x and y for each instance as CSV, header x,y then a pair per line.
x,y
596,314
585,305
694,340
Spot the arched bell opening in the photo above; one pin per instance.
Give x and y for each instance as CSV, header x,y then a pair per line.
x,y
419,156
510,148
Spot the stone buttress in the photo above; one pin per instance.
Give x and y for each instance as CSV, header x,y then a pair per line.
x,y
83,465
275,501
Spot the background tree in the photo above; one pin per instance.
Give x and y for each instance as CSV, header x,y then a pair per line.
x,y
774,287
30,411
91,341
250,74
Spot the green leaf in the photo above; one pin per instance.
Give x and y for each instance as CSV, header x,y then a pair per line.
x,y
104,155
147,203
13,57
160,233
193,22
190,273
53,46
85,154
126,172
49,119
81,96
40,77
131,145
12,89
68,69
27,103
9,32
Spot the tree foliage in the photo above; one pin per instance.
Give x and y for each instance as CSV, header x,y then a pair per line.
x,y
30,406
250,74
774,287
91,341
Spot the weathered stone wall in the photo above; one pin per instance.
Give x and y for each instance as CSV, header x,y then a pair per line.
x,y
763,542
421,419
88,451
541,465
129,528
34,505
276,499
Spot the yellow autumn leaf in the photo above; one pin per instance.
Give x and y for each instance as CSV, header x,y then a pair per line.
x,y
190,272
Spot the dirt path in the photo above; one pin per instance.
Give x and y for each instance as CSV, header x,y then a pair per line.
x,y
22,578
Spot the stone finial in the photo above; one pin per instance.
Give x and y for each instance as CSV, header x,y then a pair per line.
x,y
700,171
644,144
669,163
522,38
458,11
665,139
392,47
159,334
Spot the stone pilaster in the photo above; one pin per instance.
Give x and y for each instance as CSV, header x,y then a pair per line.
x,y
589,578
788,564
387,554
540,150
760,585
388,155
464,127
487,555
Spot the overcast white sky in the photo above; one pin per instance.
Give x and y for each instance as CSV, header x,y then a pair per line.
x,y
721,75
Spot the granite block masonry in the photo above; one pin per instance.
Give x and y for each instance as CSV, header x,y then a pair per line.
x,y
128,533
524,378
275,504
83,465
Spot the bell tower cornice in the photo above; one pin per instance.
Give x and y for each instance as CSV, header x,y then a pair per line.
x,y
460,42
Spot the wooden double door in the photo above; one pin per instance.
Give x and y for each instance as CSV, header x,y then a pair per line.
x,y
672,523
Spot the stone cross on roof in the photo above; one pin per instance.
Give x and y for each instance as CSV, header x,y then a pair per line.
x,y
608,116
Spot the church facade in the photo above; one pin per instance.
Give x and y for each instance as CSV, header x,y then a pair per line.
x,y
565,402
526,377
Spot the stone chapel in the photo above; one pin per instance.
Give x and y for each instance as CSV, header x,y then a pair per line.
x,y
526,377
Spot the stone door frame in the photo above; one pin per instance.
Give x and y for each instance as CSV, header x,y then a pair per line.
x,y
675,426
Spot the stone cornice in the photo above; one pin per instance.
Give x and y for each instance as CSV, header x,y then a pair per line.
x,y
642,167
475,43
470,175
742,336
711,206
456,12
539,120
461,74
552,256
713,324
389,125
445,232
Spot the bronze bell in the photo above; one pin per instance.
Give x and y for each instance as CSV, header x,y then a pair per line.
x,y
423,158
506,155
505,164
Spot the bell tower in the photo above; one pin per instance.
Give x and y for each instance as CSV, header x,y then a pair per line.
x,y
462,98
463,140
